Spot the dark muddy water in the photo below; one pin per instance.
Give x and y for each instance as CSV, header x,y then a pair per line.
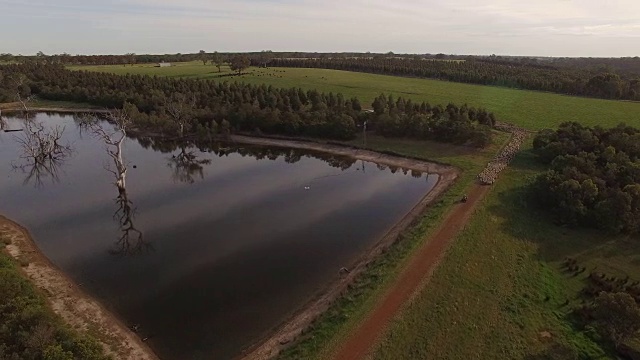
x,y
205,250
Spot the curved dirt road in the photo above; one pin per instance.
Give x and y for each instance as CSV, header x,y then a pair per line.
x,y
363,339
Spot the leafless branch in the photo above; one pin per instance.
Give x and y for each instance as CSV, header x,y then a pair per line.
x,y
19,80
112,139
42,152
179,107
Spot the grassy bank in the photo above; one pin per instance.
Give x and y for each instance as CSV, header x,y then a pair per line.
x,y
29,328
349,310
502,287
530,109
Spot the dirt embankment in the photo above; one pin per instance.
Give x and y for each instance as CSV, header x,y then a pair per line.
x,y
77,309
445,171
362,341
291,329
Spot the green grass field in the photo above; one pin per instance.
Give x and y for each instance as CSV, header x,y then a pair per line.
x,y
488,299
530,109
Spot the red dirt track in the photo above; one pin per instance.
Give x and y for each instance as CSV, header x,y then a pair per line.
x,y
364,338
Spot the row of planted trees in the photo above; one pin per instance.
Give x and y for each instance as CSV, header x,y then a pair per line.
x,y
565,80
176,107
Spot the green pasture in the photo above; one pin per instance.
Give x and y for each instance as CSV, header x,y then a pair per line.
x,y
530,109
502,287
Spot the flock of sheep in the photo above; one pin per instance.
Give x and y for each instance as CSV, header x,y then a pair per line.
x,y
490,173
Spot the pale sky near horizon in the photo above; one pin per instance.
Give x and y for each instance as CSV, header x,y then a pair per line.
x,y
598,28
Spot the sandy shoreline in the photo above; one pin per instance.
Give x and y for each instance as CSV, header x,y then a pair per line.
x,y
82,312
77,309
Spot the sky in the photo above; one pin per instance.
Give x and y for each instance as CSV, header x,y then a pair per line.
x,y
598,28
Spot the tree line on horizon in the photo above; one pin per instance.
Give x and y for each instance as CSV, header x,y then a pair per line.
x,y
505,73
177,107
608,78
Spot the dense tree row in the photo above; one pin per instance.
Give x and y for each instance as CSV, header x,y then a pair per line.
x,y
594,176
129,59
182,106
625,66
454,124
124,59
520,75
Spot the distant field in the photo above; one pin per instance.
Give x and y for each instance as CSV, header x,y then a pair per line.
x,y
530,109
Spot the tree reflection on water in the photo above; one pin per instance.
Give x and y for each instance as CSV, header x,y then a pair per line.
x,y
131,240
43,151
3,122
186,166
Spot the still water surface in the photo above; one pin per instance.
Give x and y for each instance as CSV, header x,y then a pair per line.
x,y
218,250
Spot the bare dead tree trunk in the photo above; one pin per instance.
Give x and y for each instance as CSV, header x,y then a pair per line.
x,y
24,102
130,240
180,108
3,123
113,139
18,81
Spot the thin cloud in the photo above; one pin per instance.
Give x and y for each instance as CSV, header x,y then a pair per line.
x,y
414,26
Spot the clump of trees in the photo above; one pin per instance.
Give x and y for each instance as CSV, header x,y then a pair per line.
x,y
206,107
616,317
593,177
239,63
453,124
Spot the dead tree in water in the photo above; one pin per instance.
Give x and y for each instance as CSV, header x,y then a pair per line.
x,y
130,240
113,140
42,152
180,108
22,91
